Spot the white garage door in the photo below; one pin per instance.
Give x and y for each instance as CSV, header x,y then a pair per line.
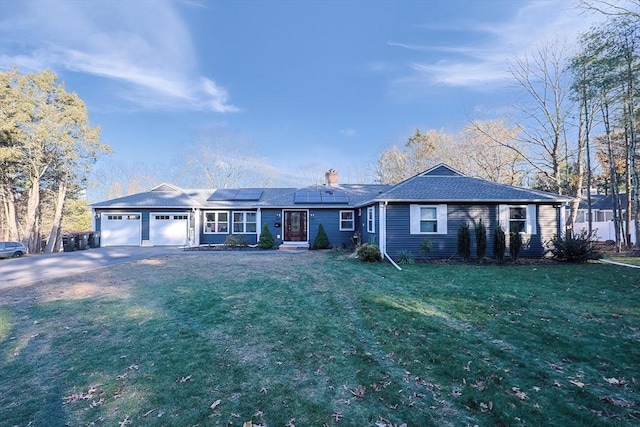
x,y
119,229
168,229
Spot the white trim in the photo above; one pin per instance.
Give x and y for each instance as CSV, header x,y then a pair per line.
x,y
531,219
371,219
216,222
244,222
258,224
284,231
415,218
353,220
382,221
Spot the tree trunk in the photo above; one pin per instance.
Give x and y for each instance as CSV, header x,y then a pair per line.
x,y
612,173
9,207
579,178
57,217
30,227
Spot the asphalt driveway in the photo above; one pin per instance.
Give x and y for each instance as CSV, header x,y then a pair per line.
x,y
33,268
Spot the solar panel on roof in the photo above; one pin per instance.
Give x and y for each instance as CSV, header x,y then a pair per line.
x,y
320,197
242,194
248,194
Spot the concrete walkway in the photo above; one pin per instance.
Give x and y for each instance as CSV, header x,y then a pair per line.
x,y
33,268
606,261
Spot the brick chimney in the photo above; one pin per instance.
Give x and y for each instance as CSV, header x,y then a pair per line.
x,y
331,178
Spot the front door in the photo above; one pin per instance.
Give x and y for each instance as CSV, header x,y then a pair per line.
x,y
295,226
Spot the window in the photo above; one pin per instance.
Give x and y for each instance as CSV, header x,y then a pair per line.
x,y
347,222
518,218
216,222
181,217
371,219
244,222
428,219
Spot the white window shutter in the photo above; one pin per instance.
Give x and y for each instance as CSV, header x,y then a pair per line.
x,y
414,219
503,217
531,219
442,219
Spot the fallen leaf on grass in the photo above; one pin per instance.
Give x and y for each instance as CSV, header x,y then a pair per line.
x,y
124,422
614,381
519,393
184,379
146,414
617,402
247,424
336,416
215,404
484,407
357,392
291,423
576,383
456,393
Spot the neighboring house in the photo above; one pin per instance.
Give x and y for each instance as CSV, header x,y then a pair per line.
x,y
602,217
431,205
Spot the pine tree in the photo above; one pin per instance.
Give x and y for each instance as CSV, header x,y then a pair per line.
x,y
266,240
322,240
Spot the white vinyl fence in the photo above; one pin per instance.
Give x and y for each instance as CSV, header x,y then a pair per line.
x,y
604,230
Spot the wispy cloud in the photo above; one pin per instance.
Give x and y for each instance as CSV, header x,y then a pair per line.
x,y
144,46
480,64
349,132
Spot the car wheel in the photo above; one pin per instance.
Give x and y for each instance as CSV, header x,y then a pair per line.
x,y
17,254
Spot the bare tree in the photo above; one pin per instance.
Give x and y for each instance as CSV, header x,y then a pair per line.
x,y
544,79
491,150
612,8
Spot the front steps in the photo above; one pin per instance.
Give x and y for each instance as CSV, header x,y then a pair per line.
x,y
294,246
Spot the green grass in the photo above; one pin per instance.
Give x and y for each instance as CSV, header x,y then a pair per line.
x,y
319,338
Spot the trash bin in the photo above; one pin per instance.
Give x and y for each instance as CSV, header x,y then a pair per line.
x,y
82,241
94,239
68,243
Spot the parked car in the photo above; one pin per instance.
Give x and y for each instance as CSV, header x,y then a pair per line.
x,y
12,250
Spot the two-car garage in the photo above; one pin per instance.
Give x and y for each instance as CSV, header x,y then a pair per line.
x,y
128,229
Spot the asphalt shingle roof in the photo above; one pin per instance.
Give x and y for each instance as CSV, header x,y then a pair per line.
x,y
439,184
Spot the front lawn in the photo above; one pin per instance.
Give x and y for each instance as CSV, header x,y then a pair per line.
x,y
317,338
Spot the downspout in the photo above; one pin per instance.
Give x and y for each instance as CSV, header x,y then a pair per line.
x,y
383,234
258,224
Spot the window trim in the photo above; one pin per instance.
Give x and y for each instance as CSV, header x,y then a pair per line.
x,y
371,219
415,219
352,220
215,222
244,222
530,227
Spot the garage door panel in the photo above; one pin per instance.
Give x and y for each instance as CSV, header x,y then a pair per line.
x,y
168,229
120,230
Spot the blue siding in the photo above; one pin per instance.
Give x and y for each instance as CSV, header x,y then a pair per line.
x,y
446,245
330,220
145,225
271,217
366,236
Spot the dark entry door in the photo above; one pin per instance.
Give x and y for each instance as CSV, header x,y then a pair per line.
x,y
295,226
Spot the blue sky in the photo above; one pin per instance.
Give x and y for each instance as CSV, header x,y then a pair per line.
x,y
312,84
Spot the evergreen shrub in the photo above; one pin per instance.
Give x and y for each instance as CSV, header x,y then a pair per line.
x,y
515,245
481,240
369,253
464,242
322,240
578,248
266,240
499,243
